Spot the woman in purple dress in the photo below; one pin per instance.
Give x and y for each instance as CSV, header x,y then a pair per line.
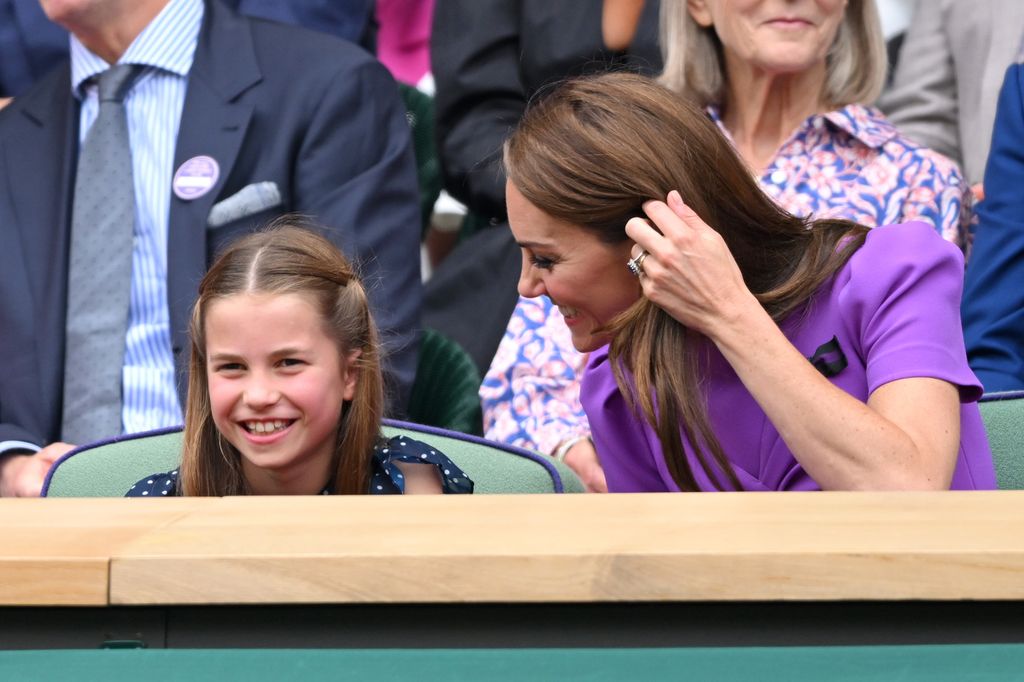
x,y
789,85
743,348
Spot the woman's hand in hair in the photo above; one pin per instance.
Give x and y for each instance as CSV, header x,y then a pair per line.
x,y
904,438
689,271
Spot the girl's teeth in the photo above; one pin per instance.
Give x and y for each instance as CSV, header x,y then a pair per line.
x,y
266,427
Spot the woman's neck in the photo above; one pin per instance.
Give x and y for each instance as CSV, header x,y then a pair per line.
x,y
762,110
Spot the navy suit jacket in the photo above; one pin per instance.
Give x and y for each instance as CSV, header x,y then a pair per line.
x,y
316,115
993,305
30,45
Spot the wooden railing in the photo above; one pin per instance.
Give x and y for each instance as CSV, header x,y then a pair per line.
x,y
558,548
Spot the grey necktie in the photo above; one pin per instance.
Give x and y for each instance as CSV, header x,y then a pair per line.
x,y
100,268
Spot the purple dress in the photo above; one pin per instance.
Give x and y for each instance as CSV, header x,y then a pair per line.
x,y
894,311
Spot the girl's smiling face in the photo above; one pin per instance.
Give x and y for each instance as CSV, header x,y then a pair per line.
x,y
277,387
586,278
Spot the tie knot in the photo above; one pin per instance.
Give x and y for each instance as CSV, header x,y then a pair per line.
x,y
115,82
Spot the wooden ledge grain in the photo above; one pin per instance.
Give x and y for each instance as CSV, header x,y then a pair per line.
x,y
56,552
580,548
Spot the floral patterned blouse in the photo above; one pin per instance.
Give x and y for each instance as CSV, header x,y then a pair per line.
x,y
850,163
386,478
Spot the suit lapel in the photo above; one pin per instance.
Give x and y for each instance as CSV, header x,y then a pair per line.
x,y
214,121
43,144
46,148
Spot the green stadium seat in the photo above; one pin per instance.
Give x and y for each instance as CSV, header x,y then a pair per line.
x,y
110,468
1003,414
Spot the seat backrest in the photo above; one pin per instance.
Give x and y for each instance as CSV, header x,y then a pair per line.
x,y
494,467
446,390
1003,414
109,468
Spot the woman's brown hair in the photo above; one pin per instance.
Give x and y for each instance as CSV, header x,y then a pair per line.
x,y
591,153
286,258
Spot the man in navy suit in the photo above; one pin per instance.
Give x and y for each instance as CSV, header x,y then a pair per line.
x,y
993,304
31,44
268,119
993,290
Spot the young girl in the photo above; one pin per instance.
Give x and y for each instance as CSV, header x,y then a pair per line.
x,y
285,393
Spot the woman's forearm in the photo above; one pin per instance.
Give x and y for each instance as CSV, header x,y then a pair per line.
x,y
905,437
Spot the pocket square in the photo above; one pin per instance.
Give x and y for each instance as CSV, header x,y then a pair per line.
x,y
247,201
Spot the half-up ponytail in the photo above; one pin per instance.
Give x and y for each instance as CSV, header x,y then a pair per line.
x,y
288,257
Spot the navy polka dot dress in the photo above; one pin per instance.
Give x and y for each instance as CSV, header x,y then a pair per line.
x,y
386,478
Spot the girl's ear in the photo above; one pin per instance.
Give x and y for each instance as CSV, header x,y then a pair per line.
x,y
350,375
699,11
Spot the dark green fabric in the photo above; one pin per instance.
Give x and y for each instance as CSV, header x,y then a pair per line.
x,y
1004,425
939,663
419,110
445,392
473,223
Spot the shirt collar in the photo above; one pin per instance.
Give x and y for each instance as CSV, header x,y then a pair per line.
x,y
865,124
167,43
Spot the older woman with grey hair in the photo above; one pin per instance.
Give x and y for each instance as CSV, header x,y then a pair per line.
x,y
789,83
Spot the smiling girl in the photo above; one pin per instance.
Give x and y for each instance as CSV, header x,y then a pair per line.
x,y
285,391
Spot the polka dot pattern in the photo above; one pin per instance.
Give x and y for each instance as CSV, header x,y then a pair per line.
x,y
387,479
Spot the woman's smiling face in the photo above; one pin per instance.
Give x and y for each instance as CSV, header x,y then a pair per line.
x,y
775,36
586,278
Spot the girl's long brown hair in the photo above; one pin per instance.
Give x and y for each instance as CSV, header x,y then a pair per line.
x,y
590,153
287,258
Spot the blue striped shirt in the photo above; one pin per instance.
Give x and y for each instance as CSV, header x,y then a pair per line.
x,y
166,47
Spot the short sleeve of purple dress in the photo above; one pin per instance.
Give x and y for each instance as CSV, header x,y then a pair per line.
x,y
892,312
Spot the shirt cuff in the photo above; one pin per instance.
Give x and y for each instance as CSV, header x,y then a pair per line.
x,y
10,447
566,446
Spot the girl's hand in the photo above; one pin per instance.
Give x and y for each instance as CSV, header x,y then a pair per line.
x,y
688,271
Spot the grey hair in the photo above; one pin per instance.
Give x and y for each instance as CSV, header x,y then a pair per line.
x,y
695,66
